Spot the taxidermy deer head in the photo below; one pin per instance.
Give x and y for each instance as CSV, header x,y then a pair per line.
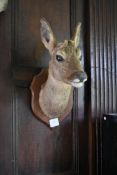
x,y
52,89
3,5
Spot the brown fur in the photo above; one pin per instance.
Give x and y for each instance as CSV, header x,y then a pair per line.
x,y
55,93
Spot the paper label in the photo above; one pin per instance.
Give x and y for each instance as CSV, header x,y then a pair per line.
x,y
54,122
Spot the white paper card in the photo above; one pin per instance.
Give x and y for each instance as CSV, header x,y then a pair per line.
x,y
54,122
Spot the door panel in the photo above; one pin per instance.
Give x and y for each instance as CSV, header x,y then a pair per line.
x,y
6,132
27,145
28,46
39,149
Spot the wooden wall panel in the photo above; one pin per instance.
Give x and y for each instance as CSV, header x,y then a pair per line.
x,y
80,137
6,142
38,149
103,55
29,50
26,37
103,36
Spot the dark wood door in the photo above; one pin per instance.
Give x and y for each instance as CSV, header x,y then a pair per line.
x,y
27,146
39,150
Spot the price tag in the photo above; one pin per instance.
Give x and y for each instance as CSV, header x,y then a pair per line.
x,y
54,122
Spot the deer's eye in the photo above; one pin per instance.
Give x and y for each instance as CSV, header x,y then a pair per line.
x,y
59,58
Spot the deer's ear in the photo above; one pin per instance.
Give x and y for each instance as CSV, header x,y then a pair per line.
x,y
76,37
47,35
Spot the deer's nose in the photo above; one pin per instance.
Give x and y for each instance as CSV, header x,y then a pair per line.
x,y
81,76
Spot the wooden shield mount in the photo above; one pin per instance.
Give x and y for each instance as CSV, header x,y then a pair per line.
x,y
35,78
35,87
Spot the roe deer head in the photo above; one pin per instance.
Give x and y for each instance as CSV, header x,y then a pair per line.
x,y
65,72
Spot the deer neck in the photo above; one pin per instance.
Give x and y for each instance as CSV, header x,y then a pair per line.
x,y
54,97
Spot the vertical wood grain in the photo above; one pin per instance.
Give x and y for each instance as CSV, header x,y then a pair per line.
x,y
103,65
6,156
80,126
37,148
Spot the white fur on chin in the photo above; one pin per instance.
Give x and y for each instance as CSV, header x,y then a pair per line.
x,y
77,85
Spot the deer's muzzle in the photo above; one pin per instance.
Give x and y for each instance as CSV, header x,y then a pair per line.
x,y
78,79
